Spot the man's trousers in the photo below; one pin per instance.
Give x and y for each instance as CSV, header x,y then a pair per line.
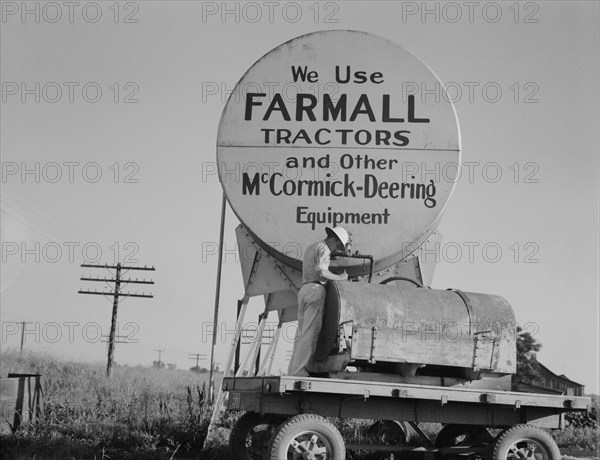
x,y
311,302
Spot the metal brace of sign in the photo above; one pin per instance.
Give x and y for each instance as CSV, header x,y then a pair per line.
x,y
219,404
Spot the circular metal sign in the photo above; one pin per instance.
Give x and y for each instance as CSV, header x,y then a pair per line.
x,y
339,128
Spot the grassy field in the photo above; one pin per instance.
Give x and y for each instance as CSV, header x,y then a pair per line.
x,y
139,413
147,413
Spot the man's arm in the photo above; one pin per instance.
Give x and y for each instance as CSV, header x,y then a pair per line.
x,y
325,273
322,267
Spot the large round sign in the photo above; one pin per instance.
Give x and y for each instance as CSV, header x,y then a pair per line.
x,y
339,128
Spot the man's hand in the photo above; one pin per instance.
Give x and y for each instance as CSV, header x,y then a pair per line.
x,y
333,276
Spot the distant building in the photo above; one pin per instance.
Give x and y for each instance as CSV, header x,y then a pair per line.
x,y
549,382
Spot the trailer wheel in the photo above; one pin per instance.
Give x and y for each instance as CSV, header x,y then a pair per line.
x,y
390,432
462,435
307,436
525,441
251,435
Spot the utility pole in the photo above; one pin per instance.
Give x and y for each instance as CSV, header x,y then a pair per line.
x,y
118,281
197,357
159,356
23,323
211,375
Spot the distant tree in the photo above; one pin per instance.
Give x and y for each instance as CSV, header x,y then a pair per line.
x,y
172,366
590,419
158,364
527,364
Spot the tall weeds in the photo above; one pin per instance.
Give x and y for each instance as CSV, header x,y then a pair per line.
x,y
138,412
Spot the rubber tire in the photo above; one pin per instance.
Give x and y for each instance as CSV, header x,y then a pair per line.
x,y
526,432
449,433
307,422
245,424
394,432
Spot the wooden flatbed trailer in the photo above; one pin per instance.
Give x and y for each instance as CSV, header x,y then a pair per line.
x,y
285,418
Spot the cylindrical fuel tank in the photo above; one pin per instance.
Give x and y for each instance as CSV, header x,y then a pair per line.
x,y
402,323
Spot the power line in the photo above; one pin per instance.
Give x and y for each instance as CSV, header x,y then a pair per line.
x,y
118,339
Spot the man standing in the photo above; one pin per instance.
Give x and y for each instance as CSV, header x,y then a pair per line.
x,y
311,297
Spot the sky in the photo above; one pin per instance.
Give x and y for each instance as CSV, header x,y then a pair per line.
x,y
108,136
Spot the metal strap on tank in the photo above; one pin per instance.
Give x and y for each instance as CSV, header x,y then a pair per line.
x,y
467,302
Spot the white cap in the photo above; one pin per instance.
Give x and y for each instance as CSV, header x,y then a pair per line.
x,y
339,232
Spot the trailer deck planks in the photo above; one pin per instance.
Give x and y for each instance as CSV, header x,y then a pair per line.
x,y
292,406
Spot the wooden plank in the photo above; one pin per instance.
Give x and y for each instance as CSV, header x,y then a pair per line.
x,y
399,346
357,387
335,405
249,383
488,382
366,389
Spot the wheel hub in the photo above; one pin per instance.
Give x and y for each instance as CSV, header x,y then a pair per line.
x,y
526,449
309,446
